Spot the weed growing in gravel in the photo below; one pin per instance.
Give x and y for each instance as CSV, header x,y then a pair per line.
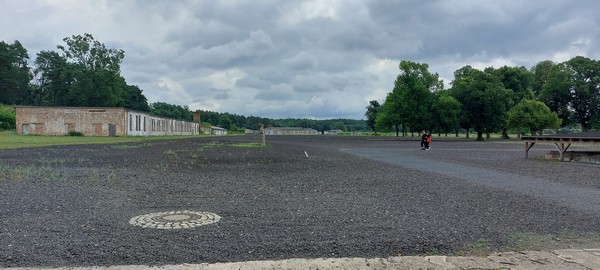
x,y
101,177
432,251
170,152
93,178
559,240
62,161
15,174
480,248
211,144
161,167
130,146
249,145
112,178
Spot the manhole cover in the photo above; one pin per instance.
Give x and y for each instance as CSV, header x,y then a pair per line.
x,y
174,220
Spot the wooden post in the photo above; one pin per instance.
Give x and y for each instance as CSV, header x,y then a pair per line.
x,y
562,149
261,133
528,146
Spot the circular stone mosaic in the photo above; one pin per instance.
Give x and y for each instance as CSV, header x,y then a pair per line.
x,y
174,220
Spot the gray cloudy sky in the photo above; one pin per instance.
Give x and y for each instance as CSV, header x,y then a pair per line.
x,y
315,59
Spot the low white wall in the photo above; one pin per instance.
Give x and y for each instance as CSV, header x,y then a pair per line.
x,y
142,124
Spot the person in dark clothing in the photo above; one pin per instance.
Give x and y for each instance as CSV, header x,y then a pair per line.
x,y
423,140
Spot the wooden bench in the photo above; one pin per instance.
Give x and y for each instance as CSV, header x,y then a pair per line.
x,y
562,141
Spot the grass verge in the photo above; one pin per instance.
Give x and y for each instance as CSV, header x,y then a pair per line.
x,y
560,240
9,140
524,241
248,145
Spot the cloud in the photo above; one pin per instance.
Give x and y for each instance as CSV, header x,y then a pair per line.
x,y
319,59
172,89
257,45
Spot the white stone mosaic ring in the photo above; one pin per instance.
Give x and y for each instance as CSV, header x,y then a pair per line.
x,y
174,220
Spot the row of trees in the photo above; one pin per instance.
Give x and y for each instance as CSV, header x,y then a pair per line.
x,y
550,95
239,122
82,73
85,73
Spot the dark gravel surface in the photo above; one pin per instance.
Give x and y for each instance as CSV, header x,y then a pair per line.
x,y
351,197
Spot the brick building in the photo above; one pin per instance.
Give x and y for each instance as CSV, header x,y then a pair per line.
x,y
96,121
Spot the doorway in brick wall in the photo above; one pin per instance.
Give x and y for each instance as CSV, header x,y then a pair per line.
x,y
112,130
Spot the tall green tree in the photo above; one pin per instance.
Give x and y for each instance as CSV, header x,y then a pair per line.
x,y
517,80
135,100
14,74
54,79
388,116
339,125
484,99
584,89
534,115
91,54
416,87
553,83
97,88
447,112
461,86
371,114
85,74
540,75
171,111
225,122
410,102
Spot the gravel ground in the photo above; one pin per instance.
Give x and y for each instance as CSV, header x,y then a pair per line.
x,y
301,197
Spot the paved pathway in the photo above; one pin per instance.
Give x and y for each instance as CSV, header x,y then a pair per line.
x,y
579,198
559,259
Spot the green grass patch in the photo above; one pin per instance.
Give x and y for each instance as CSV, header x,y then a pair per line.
x,y
170,152
15,174
210,145
524,241
130,146
9,140
560,240
248,145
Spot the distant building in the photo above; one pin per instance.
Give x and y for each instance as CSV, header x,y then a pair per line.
x,y
97,121
290,131
333,132
218,130
213,130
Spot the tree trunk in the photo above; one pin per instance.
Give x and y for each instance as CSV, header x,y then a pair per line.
x,y
479,136
488,136
505,133
397,130
468,137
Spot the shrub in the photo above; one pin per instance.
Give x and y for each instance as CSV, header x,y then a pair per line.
x,y
75,134
8,120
